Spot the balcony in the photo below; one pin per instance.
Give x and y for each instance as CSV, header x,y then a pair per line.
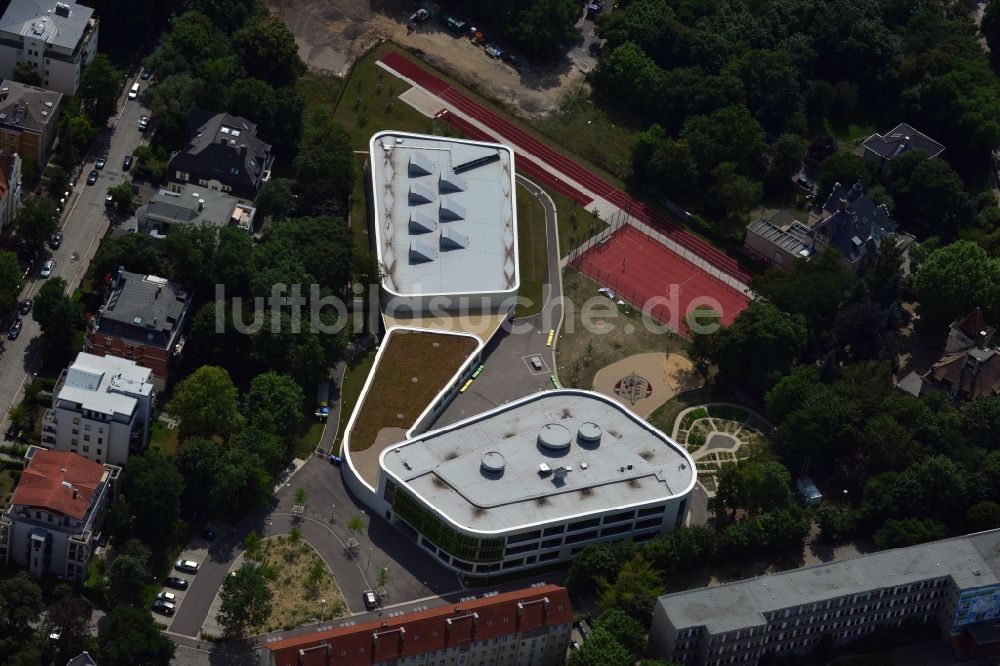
x,y
48,439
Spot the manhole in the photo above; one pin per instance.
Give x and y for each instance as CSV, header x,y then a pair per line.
x,y
414,380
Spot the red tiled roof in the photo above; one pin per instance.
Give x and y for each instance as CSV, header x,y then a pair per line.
x,y
429,630
41,483
972,381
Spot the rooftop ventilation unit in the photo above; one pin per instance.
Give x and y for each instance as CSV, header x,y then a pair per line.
x,y
419,165
590,434
554,437
451,210
493,463
453,240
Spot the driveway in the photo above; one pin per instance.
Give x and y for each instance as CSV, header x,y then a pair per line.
x,y
413,574
508,373
84,224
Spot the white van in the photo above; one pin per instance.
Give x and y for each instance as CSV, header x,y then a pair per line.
x,y
134,92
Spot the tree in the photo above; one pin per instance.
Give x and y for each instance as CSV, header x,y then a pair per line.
x,y
635,590
151,161
294,536
276,199
206,404
227,15
274,404
927,190
757,487
771,82
627,76
989,27
188,251
908,532
269,53
129,636
123,197
171,100
843,168
786,161
75,136
317,572
730,134
356,525
69,618
863,332
153,487
325,153
127,578
20,606
252,544
133,252
600,649
954,280
982,516
935,487
11,280
546,26
253,99
736,194
761,345
243,481
37,220
61,320
245,600
100,85
981,421
300,495
197,461
813,289
626,630
26,74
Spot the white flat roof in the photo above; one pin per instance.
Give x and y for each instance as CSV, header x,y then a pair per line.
x,y
445,219
97,383
484,473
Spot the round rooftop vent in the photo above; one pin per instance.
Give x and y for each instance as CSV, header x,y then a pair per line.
x,y
554,437
590,433
493,462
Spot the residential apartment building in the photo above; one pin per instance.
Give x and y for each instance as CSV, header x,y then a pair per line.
x,y
142,321
55,515
56,38
527,627
224,154
954,584
193,205
101,407
29,121
10,188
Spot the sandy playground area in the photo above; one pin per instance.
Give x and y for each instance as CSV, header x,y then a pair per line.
x,y
645,381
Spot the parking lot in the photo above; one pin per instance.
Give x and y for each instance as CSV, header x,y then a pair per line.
x,y
197,551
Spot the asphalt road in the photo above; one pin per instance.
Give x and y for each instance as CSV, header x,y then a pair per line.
x,y
507,370
84,224
413,574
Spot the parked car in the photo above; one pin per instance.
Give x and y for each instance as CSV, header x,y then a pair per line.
x,y
143,123
806,183
164,607
134,91
335,460
187,566
47,268
207,534
56,240
92,178
127,163
15,329
167,596
101,161
371,603
808,491
145,74
176,582
25,306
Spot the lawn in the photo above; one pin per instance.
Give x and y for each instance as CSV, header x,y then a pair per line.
x,y
6,484
412,371
849,132
295,600
310,432
163,439
531,246
319,90
357,372
581,352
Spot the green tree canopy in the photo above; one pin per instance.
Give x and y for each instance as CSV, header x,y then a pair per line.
x,y
760,346
128,636
546,27
927,190
198,463
206,404
954,280
757,487
26,74
153,487
61,320
600,649
730,134
11,280
245,600
908,532
37,220
627,631
269,53
100,85
274,405
981,421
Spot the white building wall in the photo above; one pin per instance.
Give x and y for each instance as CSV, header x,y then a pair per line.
x,y
56,73
114,436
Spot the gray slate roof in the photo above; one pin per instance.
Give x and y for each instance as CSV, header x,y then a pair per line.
x,y
27,107
37,19
214,149
901,139
972,561
859,228
182,207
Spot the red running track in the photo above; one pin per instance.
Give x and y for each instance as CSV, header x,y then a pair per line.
x,y
642,271
559,162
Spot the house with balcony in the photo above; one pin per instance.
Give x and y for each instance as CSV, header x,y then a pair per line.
x,y
56,38
193,205
101,407
223,153
55,514
142,321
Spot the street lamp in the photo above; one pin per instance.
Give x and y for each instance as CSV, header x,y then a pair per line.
x,y
322,612
370,549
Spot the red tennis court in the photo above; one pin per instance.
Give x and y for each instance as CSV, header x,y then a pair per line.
x,y
648,275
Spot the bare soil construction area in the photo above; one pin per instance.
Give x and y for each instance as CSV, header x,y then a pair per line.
x,y
331,34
